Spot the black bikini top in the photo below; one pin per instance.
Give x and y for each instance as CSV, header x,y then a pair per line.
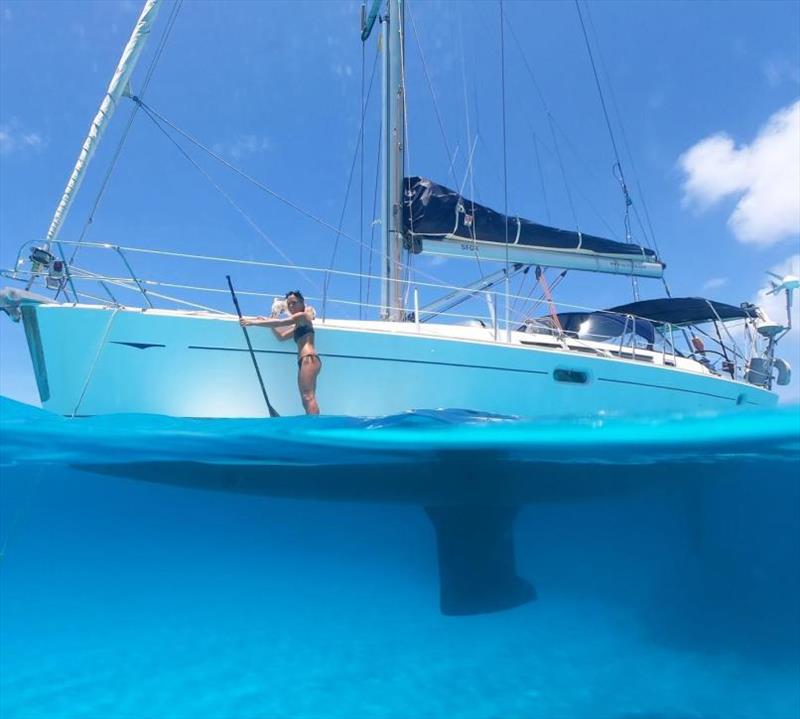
x,y
302,331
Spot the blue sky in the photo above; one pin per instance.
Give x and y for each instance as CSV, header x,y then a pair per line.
x,y
707,93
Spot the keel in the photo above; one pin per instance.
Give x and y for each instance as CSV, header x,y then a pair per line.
x,y
477,572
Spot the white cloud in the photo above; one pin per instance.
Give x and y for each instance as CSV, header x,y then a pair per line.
x,y
79,29
778,72
342,70
764,175
775,307
12,139
243,145
714,283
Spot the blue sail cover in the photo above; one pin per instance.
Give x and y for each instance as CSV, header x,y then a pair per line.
x,y
433,212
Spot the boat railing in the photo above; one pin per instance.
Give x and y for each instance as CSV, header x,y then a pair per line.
x,y
518,314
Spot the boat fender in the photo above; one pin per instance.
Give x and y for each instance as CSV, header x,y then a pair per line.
x,y
278,307
784,372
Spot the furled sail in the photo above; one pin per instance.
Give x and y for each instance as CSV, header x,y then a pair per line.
x,y
117,86
440,221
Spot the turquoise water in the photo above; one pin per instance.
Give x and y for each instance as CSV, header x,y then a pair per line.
x,y
665,555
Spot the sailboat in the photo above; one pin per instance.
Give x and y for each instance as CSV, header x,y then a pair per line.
x,y
96,356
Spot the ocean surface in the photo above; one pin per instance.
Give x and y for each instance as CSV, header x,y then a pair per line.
x,y
159,567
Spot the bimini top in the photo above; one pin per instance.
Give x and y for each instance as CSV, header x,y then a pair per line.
x,y
603,325
684,310
435,212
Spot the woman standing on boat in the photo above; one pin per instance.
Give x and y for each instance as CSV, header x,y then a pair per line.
x,y
298,325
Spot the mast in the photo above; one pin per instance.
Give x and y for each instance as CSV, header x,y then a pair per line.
x,y
116,88
393,115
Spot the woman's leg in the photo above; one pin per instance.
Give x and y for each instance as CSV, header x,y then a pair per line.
x,y
310,366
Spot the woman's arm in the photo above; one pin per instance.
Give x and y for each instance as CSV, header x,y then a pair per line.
x,y
272,321
283,333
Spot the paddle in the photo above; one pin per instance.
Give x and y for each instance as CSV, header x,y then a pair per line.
x,y
272,410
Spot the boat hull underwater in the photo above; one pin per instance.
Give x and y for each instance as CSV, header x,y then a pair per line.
x,y
471,476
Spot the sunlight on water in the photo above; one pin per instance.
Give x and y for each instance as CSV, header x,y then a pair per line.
x,y
665,555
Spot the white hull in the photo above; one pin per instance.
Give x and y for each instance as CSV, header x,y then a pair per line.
x,y
92,360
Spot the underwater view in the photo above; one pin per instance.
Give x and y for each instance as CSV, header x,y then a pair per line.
x,y
352,375
331,567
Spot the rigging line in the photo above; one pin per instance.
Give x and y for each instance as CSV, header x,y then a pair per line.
x,y
473,235
719,341
100,300
244,175
118,151
536,303
374,208
557,155
587,167
250,221
359,143
518,293
564,175
259,263
644,230
128,283
505,166
405,136
409,278
115,157
361,184
488,153
541,177
621,178
550,120
503,111
433,95
528,68
464,89
602,97
250,263
252,180
470,174
176,8
468,170
405,139
92,367
625,142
